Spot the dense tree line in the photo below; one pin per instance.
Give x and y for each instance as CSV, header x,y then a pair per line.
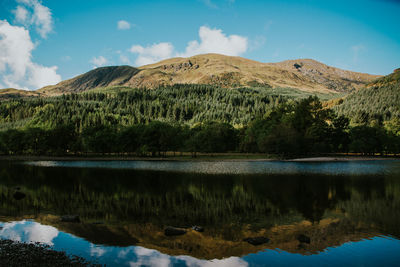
x,y
375,104
291,128
186,104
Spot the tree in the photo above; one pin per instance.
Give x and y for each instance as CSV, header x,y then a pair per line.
x,y
100,139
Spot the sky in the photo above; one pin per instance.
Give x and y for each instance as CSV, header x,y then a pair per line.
x,y
45,41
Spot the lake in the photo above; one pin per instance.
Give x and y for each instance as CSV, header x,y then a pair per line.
x,y
307,213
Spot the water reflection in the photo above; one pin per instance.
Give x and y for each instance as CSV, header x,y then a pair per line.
x,y
237,167
26,231
124,209
367,252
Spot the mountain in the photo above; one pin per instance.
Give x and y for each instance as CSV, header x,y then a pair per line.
x,y
388,80
99,77
10,93
378,101
219,70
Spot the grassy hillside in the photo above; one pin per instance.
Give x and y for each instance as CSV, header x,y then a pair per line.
x,y
11,93
100,77
221,71
304,74
378,102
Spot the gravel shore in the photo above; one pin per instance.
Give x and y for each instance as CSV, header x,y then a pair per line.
x,y
23,254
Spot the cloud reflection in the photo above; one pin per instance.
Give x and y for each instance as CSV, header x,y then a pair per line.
x,y
29,232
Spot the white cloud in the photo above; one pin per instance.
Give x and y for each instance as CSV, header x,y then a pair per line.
x,y
97,251
32,12
152,53
42,76
226,262
29,232
123,25
21,14
150,257
215,41
124,59
211,41
16,66
37,232
98,61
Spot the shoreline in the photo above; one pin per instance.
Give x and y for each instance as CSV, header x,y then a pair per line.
x,y
203,157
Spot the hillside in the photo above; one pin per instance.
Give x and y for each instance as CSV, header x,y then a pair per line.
x,y
100,77
219,70
333,78
11,93
378,101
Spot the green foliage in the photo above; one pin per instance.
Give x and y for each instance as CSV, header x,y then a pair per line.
x,y
297,128
152,122
372,105
39,141
186,104
212,137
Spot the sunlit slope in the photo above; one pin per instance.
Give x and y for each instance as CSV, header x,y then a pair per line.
x,y
11,93
226,71
379,100
100,77
219,70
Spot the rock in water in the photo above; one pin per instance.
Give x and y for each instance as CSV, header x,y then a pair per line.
x,y
172,231
255,241
19,195
303,239
70,218
198,228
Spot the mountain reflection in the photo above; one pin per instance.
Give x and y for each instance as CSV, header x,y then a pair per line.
x,y
124,207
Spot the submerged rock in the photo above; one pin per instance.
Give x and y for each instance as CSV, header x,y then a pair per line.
x,y
303,239
198,228
19,195
70,218
258,240
172,231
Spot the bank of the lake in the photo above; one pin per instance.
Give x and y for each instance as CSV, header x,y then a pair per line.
x,y
199,157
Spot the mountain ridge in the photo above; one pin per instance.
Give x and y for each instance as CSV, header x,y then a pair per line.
x,y
218,70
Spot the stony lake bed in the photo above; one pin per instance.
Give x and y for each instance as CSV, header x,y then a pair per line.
x,y
194,213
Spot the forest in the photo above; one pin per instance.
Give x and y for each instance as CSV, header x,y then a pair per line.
x,y
186,104
187,119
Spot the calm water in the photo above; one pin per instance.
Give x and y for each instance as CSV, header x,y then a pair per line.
x,y
348,211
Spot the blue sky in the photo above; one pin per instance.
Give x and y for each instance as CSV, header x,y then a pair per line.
x,y
56,39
